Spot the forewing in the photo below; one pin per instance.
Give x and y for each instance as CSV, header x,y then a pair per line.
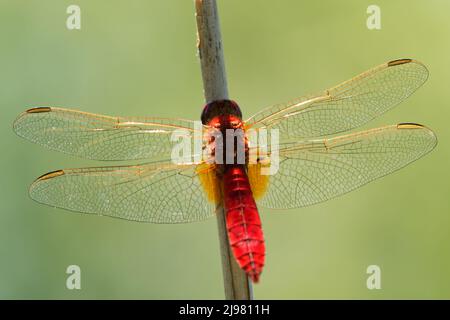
x,y
346,106
317,170
154,192
101,137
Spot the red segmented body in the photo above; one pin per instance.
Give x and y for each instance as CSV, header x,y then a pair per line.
x,y
243,223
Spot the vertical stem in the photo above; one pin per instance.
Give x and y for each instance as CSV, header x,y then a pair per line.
x,y
209,43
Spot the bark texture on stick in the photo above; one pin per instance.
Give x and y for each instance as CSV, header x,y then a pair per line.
x,y
236,282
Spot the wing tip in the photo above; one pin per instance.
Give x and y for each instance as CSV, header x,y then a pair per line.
x,y
415,126
23,116
48,175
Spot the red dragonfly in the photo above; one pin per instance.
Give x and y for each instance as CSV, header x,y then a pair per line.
x,y
314,165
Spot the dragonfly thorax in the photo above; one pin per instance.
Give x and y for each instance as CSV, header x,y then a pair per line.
x,y
226,140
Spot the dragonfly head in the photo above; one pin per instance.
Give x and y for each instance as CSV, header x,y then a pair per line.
x,y
220,108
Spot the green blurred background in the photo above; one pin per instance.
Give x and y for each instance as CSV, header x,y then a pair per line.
x,y
139,58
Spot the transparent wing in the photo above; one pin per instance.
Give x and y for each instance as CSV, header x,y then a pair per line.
x,y
100,137
346,106
155,192
317,170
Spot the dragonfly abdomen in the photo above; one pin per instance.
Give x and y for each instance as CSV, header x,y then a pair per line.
x,y
244,226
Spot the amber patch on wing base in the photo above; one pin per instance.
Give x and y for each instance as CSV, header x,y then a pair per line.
x,y
258,181
211,184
